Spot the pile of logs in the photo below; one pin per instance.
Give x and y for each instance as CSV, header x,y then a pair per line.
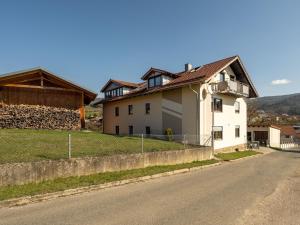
x,y
38,117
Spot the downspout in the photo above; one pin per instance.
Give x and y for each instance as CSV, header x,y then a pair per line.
x,y
197,113
212,125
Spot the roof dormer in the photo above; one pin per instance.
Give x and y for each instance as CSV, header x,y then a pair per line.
x,y
156,77
115,88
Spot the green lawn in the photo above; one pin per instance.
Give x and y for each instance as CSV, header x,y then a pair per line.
x,y
60,184
235,155
19,145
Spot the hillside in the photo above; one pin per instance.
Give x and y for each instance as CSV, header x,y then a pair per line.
x,y
283,104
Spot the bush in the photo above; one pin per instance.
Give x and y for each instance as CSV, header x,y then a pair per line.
x,y
169,134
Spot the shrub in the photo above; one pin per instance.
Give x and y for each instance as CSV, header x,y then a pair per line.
x,y
169,134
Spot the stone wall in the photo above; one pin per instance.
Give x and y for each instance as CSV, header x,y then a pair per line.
x,y
22,173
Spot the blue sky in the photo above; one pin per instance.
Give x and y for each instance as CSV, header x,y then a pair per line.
x,y
91,41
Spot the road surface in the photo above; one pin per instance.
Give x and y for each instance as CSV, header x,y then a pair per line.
x,y
263,190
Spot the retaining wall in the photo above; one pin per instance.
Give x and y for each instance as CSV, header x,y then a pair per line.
x,y
22,173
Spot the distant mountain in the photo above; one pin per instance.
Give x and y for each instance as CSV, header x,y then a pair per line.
x,y
282,104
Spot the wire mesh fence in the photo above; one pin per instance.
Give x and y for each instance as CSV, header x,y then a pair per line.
x,y
35,145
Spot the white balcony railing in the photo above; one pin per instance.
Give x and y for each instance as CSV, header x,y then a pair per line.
x,y
231,87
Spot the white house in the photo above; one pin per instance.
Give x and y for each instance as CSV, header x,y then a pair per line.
x,y
202,103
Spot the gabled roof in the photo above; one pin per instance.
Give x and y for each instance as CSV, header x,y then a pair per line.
x,y
199,74
203,72
23,74
152,69
121,83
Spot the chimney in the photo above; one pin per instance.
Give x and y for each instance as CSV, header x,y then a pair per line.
x,y
188,67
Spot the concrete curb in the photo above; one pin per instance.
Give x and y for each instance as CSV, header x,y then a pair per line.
x,y
247,157
43,197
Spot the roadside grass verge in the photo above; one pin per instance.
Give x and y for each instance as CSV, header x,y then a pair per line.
x,y
235,155
61,184
26,145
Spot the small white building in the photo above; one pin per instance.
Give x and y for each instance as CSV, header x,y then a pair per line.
x,y
265,135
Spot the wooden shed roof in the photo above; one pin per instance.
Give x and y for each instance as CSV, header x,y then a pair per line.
x,y
18,78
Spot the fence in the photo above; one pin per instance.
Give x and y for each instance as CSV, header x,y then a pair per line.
x,y
287,143
37,145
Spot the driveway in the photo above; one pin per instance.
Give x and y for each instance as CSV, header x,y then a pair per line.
x,y
261,190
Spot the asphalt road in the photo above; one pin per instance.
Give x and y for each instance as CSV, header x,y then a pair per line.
x,y
263,190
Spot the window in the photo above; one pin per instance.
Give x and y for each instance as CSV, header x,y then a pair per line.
x,y
218,133
116,111
232,77
237,131
217,105
147,108
130,109
130,130
222,77
151,83
154,81
117,130
158,81
114,92
148,130
237,107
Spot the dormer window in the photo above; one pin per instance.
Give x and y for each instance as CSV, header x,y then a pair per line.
x,y
114,93
155,81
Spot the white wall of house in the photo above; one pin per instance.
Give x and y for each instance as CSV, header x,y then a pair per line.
x,y
139,119
227,72
228,119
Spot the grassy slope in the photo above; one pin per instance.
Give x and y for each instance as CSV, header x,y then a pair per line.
x,y
235,155
61,184
34,145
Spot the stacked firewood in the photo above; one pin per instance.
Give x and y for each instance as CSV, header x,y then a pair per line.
x,y
38,117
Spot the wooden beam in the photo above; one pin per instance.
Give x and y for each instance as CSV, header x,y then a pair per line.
x,y
82,112
39,87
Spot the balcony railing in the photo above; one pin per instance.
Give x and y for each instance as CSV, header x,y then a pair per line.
x,y
231,87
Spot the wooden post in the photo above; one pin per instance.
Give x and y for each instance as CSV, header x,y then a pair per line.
x,y
82,112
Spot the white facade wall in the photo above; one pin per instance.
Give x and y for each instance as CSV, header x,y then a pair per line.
x,y
274,137
228,119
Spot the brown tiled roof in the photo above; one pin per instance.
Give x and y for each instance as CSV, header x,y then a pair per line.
x,y
197,74
288,130
203,72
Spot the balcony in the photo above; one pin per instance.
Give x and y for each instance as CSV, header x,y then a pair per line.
x,y
231,87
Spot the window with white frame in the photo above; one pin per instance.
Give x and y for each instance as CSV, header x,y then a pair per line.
x,y
218,132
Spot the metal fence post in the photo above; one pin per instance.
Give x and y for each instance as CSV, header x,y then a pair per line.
x,y
70,148
142,143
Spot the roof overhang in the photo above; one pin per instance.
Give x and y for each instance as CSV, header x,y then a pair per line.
x,y
38,71
119,82
159,71
253,91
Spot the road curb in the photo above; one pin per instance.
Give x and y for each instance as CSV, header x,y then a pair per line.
x,y
43,197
